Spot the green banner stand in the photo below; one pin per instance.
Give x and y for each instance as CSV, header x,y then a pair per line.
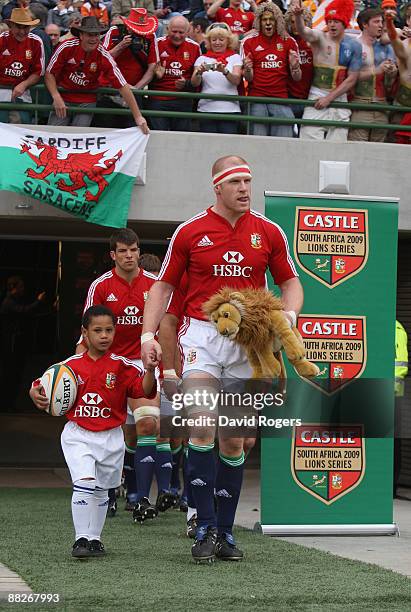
x,y
329,470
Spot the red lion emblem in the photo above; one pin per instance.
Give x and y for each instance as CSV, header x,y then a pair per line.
x,y
76,165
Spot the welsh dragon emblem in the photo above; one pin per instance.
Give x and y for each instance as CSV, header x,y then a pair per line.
x,y
78,166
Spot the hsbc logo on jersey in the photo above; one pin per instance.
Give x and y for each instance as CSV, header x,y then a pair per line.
x,y
79,78
271,61
130,316
91,407
16,69
232,268
305,58
175,69
233,257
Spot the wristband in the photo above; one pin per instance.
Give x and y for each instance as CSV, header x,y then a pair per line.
x,y
293,317
170,373
147,337
226,72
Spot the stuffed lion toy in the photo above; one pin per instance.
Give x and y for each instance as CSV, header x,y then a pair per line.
x,y
255,319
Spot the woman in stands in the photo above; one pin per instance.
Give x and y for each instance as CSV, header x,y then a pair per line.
x,y
219,71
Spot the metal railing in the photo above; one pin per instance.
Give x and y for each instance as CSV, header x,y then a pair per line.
x,y
246,117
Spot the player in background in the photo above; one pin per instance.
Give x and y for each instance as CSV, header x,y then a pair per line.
x,y
124,290
92,440
226,245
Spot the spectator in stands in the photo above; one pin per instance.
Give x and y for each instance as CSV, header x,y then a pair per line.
x,y
123,7
21,63
406,13
240,21
337,61
95,8
165,10
199,8
300,89
78,65
7,8
54,33
62,14
376,77
197,30
129,42
173,73
40,12
219,71
270,57
402,50
74,21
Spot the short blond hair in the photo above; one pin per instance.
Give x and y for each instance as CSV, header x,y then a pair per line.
x,y
232,39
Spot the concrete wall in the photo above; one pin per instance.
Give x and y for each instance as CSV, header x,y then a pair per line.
x,y
178,174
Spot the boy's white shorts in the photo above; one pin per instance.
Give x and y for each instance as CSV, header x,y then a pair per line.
x,y
95,454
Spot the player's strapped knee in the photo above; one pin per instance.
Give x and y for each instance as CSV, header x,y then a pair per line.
x,y
146,411
206,398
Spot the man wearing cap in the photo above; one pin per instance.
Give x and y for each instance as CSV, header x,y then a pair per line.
x,y
226,245
270,59
240,21
376,77
337,61
21,61
77,65
173,72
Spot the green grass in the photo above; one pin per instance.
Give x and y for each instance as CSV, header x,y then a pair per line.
x,y
149,567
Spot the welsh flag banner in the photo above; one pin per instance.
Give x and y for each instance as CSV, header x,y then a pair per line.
x,y
89,175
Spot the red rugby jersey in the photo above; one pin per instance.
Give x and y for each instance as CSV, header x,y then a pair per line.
x,y
300,89
179,63
103,388
76,69
270,64
18,60
217,255
126,300
239,21
132,68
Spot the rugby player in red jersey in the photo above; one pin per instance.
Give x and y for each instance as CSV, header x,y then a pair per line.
x,y
226,245
92,440
124,290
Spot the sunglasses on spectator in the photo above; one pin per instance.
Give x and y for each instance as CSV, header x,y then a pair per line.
x,y
223,26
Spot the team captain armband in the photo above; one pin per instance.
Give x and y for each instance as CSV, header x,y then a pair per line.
x,y
229,173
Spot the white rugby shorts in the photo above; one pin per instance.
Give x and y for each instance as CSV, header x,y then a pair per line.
x,y
130,417
205,350
97,454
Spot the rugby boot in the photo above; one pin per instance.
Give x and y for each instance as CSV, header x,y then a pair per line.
x,y
226,548
96,548
192,527
80,548
165,500
143,510
203,549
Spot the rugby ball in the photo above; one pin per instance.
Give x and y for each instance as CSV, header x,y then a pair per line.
x,y
60,385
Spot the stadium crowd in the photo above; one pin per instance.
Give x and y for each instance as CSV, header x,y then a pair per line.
x,y
338,50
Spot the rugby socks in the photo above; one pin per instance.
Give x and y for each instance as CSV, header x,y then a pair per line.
x,y
130,479
163,466
81,503
228,487
176,454
186,485
144,463
201,474
99,503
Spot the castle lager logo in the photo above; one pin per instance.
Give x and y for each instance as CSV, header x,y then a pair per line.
x,y
337,344
328,461
331,244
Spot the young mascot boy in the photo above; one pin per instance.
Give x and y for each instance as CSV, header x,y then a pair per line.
x,y
92,440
